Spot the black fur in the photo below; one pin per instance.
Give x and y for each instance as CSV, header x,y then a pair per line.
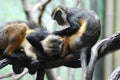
x,y
73,16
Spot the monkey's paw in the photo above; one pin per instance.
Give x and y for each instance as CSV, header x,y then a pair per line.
x,y
33,66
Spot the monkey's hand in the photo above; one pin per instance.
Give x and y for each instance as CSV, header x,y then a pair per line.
x,y
34,39
58,33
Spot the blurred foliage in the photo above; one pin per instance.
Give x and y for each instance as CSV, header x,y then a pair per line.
x,y
11,10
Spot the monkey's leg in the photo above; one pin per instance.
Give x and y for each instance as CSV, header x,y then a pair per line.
x,y
40,74
16,66
31,52
73,64
34,39
83,60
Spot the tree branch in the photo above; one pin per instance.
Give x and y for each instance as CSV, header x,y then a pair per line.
x,y
15,76
19,76
43,10
6,75
27,9
99,50
37,7
115,74
93,59
111,45
77,3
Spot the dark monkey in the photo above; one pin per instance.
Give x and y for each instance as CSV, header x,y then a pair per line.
x,y
84,27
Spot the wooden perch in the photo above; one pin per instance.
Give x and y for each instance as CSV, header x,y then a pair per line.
x,y
111,45
99,50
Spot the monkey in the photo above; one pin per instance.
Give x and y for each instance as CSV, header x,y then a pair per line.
x,y
13,37
82,33
84,26
50,46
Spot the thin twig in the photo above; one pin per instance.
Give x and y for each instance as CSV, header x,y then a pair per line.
x,y
15,76
6,75
28,9
42,10
19,76
36,7
77,3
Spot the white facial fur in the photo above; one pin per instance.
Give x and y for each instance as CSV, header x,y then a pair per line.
x,y
52,48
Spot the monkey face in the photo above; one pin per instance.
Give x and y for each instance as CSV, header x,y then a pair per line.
x,y
59,15
52,45
58,18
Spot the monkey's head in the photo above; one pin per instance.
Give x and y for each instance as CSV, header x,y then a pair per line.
x,y
52,45
60,15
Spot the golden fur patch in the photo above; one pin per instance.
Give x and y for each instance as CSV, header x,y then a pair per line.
x,y
70,41
15,34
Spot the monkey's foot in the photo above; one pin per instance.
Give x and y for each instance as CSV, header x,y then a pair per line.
x,y
33,66
17,67
11,57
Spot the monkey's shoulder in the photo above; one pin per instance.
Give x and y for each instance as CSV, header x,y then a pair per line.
x,y
86,14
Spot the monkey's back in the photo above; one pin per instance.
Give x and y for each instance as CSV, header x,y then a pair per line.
x,y
11,33
92,31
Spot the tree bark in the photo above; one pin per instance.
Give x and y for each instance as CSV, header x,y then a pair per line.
x,y
115,74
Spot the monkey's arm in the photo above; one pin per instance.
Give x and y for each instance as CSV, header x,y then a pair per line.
x,y
74,26
34,38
